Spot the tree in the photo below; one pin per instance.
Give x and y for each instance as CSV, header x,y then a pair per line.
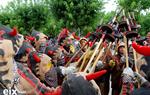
x,y
144,21
77,15
108,17
136,5
28,14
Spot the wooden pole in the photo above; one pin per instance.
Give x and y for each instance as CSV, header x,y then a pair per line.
x,y
107,51
75,54
98,57
126,51
95,51
135,60
77,63
83,62
95,62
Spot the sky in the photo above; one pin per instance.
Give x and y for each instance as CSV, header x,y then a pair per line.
x,y
109,6
4,2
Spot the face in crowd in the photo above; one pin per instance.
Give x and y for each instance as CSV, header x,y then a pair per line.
x,y
121,50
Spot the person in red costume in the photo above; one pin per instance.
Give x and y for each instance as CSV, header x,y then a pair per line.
x,y
15,75
143,50
144,81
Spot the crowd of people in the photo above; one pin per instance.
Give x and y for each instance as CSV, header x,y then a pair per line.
x,y
73,65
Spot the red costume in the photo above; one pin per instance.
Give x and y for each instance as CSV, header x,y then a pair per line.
x,y
143,50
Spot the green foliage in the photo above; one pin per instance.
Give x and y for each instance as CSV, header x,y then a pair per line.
x,y
26,15
134,5
144,21
108,17
49,16
77,15
81,16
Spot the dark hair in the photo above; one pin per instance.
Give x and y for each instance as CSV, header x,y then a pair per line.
x,y
77,85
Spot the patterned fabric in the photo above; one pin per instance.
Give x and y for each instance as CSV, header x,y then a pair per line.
x,y
127,79
127,88
51,78
42,47
28,75
128,85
